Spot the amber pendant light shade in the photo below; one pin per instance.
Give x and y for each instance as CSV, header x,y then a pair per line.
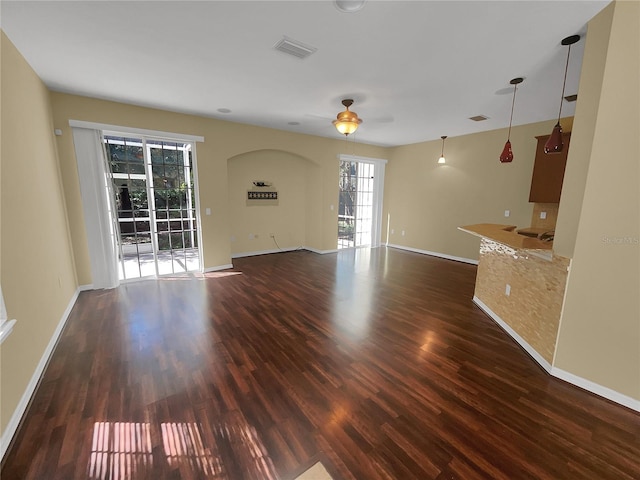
x,y
554,143
507,154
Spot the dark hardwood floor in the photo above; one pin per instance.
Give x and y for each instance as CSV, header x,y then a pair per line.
x,y
374,361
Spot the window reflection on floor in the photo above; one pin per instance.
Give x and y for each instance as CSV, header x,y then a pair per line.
x,y
243,440
124,450
119,450
182,444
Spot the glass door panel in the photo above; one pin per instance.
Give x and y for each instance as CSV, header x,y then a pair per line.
x,y
356,204
153,184
172,178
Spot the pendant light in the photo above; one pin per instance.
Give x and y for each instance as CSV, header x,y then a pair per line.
x,y
347,122
442,160
507,155
554,143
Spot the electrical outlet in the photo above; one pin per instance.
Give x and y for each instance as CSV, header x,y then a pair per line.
x,y
507,290
251,236
543,215
507,213
403,233
393,231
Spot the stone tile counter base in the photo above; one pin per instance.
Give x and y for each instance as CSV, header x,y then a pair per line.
x,y
525,291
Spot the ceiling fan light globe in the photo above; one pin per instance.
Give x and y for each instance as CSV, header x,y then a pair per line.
x,y
346,127
347,122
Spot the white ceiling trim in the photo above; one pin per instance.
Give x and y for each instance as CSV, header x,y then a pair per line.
x,y
136,131
343,157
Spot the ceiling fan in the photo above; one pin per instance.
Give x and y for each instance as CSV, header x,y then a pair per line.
x,y
330,122
347,121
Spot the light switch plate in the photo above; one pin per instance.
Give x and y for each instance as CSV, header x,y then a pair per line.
x,y
543,215
507,213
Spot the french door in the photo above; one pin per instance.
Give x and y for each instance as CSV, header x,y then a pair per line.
x,y
154,196
360,201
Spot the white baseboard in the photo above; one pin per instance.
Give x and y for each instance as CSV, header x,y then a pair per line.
x,y
6,328
21,408
282,250
84,288
321,252
434,254
569,377
593,387
335,250
512,333
263,252
217,268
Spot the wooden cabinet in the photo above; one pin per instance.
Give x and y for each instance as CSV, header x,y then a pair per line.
x,y
548,172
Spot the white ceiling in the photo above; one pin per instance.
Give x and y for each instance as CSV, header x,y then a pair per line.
x,y
416,69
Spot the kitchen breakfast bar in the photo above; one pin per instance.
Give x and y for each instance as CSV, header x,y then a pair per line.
x,y
520,284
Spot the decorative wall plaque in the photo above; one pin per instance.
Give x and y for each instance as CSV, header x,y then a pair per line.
x,y
262,194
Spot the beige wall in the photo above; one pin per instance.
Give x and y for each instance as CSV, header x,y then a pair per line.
x,y
586,115
429,201
38,278
599,336
223,141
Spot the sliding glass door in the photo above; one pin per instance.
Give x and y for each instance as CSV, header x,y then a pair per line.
x,y
153,183
360,201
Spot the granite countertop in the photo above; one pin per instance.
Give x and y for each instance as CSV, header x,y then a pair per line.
x,y
506,235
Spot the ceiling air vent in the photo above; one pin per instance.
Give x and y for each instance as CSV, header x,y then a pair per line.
x,y
295,48
478,118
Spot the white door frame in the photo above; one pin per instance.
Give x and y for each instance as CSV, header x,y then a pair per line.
x,y
107,129
378,192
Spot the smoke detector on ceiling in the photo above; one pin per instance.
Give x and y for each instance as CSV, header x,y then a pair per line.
x,y
349,6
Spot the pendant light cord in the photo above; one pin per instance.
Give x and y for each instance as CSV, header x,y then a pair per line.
x,y
513,102
564,83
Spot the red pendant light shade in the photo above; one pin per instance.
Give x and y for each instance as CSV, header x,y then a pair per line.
x,y
554,142
507,154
